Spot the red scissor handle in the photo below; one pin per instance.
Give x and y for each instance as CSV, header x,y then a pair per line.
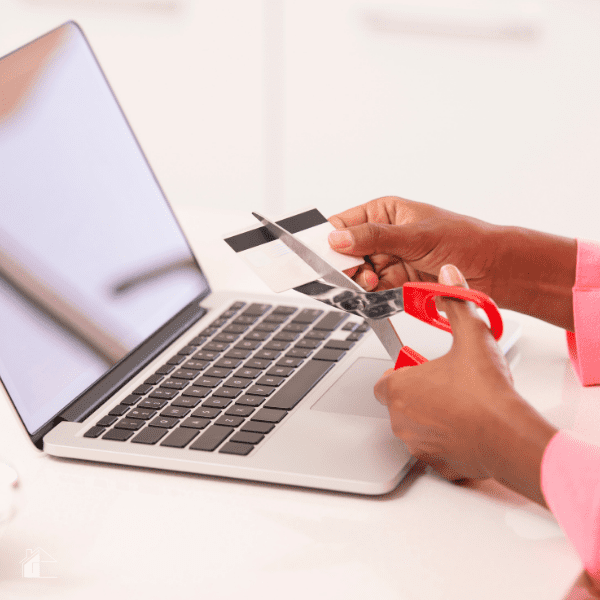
x,y
419,301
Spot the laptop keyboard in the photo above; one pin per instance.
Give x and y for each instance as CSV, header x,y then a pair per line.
x,y
234,382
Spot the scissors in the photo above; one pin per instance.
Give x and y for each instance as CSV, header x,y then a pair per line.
x,y
415,298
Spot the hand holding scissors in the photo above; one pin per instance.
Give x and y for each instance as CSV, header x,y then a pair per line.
x,y
416,298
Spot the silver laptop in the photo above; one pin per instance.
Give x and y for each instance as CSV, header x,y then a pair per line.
x,y
113,346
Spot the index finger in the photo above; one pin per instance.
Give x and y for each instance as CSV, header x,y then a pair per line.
x,y
353,216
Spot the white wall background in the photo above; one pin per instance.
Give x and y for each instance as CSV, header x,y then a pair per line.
x,y
485,107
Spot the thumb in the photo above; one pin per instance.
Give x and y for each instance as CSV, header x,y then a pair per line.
x,y
462,315
376,238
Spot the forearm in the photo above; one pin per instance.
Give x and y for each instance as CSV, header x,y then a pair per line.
x,y
536,274
515,443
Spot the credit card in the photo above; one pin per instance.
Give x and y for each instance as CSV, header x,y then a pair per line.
x,y
278,266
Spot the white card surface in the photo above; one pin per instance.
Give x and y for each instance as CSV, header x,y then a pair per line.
x,y
278,266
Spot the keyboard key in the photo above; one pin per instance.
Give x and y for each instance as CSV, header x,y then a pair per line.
x,y
237,305
284,336
339,344
165,369
149,435
141,413
154,403
266,326
331,320
228,363
289,361
154,379
127,423
308,315
235,448
285,310
130,400
315,334
186,350
164,393
237,382
193,363
212,438
248,373
214,347
106,421
175,384
276,318
240,411
207,382
180,438
118,435
119,410
185,374
257,309
236,328
246,319
269,415
228,338
195,423
175,411
258,427
142,389
245,437
206,413
257,363
186,402
299,385
250,400
267,354
280,371
217,402
176,360
259,336
94,432
362,328
218,372
270,380
227,392
296,327
260,390
299,352
329,354
229,421
349,326
247,345
277,345
238,353
197,392
164,422
205,355
305,343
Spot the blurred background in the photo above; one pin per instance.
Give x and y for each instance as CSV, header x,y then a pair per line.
x,y
487,107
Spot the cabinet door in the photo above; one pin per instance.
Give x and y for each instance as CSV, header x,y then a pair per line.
x,y
443,105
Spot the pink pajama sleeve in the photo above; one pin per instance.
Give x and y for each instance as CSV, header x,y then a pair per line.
x,y
570,470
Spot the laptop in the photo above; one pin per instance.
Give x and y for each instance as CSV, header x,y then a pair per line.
x,y
114,347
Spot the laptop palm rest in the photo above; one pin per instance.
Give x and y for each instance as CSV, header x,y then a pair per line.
x,y
352,393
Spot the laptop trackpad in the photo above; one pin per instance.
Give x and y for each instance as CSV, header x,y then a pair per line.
x,y
352,393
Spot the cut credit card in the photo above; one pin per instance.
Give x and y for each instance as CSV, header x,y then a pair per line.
x,y
278,266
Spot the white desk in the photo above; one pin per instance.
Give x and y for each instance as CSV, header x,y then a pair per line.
x,y
131,533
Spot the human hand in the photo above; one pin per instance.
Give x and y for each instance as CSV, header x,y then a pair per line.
x,y
461,413
521,269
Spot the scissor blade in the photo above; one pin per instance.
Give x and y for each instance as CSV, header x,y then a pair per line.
x,y
383,329
323,268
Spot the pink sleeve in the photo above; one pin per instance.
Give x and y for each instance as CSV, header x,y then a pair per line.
x,y
584,344
571,486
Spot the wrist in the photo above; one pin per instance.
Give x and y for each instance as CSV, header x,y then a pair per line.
x,y
515,445
536,274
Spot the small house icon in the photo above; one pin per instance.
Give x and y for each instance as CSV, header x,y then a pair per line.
x,y
35,564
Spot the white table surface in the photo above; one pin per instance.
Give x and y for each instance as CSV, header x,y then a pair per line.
x,y
133,533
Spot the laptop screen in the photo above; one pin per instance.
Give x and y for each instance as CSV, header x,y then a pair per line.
x,y
92,261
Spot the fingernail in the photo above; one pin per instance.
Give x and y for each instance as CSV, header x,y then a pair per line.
x,y
340,239
450,275
368,280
